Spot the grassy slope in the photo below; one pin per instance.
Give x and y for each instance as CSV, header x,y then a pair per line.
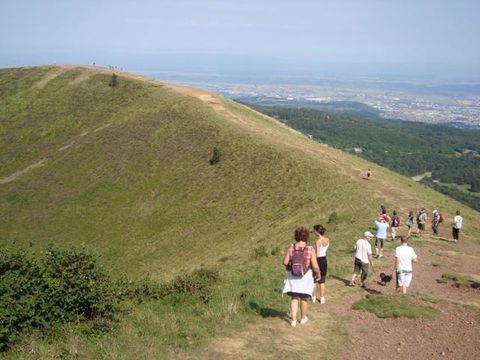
x,y
142,193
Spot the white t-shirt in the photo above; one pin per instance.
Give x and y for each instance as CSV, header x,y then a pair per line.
x,y
457,220
405,254
364,249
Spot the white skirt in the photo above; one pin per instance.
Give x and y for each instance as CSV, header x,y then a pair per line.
x,y
299,284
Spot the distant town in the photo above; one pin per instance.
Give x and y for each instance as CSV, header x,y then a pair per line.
x,y
391,104
424,100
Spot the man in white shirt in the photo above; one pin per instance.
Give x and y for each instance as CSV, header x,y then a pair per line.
x,y
456,225
404,257
363,257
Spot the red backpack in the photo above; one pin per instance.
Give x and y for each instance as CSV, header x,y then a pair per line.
x,y
441,218
298,267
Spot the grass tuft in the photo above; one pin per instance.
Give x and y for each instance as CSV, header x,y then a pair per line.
x,y
394,306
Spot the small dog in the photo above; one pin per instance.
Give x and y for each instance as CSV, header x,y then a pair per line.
x,y
384,279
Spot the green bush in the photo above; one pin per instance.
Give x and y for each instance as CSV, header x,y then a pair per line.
x,y
333,218
64,285
60,286
197,284
113,80
215,156
260,252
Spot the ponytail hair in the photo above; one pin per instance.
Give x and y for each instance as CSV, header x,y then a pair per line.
x,y
320,229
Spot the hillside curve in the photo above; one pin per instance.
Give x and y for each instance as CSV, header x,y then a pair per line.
x,y
125,171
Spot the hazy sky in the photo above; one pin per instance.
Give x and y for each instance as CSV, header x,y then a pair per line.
x,y
439,31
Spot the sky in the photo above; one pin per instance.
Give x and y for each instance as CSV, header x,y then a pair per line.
x,y
255,31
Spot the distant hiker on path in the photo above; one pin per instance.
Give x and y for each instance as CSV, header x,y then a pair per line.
x,y
402,266
381,235
457,225
410,219
421,221
363,257
299,260
435,221
369,174
395,224
322,245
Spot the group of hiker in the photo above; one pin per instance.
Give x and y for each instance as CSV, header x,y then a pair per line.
x,y
306,265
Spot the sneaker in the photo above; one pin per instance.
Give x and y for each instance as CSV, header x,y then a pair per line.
x,y
314,299
363,286
351,284
304,320
293,323
380,256
322,300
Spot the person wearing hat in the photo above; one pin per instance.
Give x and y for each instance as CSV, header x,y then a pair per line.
x,y
363,258
421,221
435,221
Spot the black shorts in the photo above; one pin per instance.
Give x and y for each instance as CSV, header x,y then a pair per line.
x,y
421,227
322,264
298,295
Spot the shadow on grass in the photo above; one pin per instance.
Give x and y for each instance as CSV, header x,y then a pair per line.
x,y
474,284
372,291
267,312
444,239
345,281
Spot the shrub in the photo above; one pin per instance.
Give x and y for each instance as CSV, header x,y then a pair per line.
x,y
61,286
333,218
260,252
215,156
196,284
113,80
275,251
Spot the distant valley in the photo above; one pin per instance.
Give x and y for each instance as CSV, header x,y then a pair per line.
x,y
455,103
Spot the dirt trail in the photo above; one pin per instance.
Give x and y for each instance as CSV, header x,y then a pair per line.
x,y
15,175
370,337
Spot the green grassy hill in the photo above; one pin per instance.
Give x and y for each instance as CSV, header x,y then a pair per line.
x,y
125,171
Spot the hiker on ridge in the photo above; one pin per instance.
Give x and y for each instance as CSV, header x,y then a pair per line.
x,y
402,266
381,235
456,225
395,224
322,245
435,221
384,215
363,257
421,221
410,219
299,260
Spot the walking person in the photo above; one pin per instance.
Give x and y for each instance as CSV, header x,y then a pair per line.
x,y
396,221
402,266
421,221
457,225
300,259
435,221
322,245
410,219
369,174
363,258
381,235
384,215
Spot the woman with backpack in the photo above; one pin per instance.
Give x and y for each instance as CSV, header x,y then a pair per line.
x,y
410,219
322,245
299,260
